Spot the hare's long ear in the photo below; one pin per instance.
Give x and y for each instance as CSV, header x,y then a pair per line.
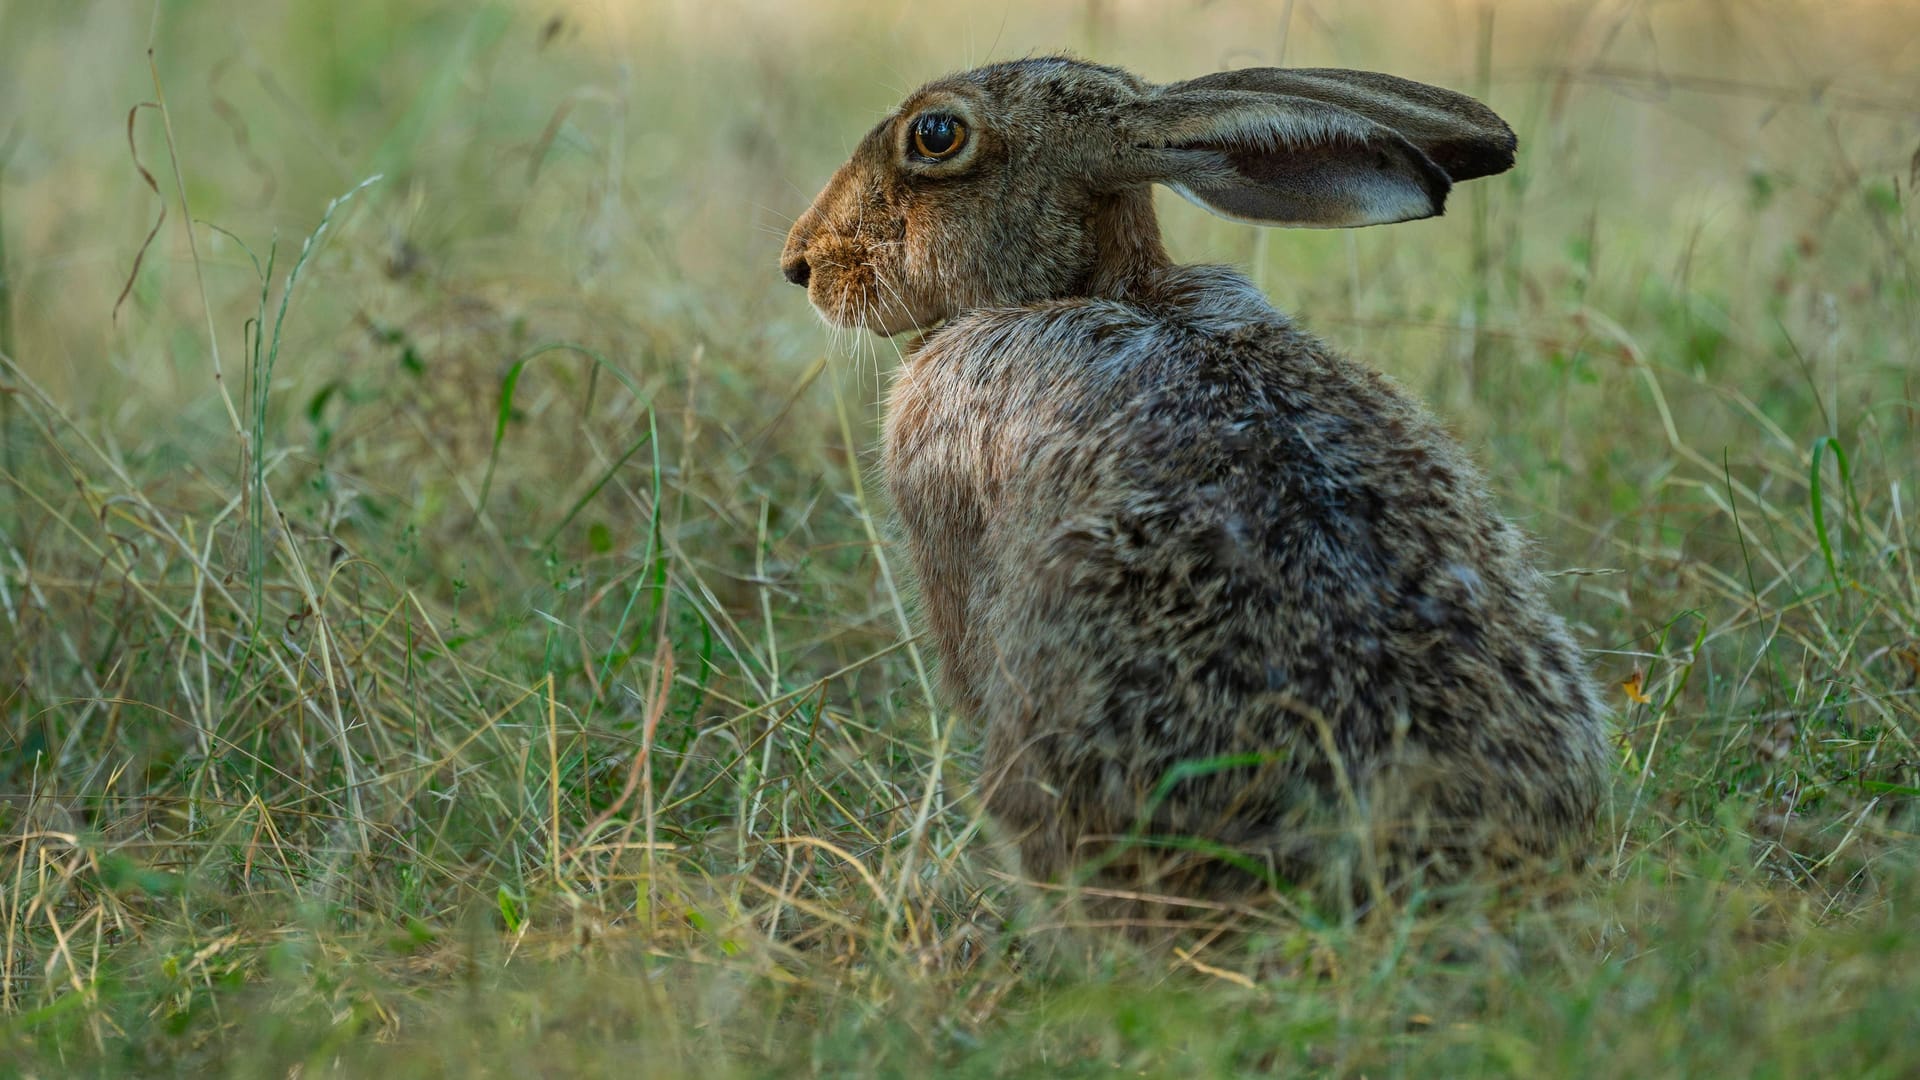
x,y
1461,135
1314,147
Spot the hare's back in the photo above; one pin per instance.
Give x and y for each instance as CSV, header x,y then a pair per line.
x,y
1192,540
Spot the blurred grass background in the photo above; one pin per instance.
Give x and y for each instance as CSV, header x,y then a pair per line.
x,y
500,667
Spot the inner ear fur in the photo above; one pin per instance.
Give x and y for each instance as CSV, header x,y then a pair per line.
x,y
1318,147
1275,159
1462,136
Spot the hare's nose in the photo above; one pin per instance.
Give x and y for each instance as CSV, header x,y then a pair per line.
x,y
797,271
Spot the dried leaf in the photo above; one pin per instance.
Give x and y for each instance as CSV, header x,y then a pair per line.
x,y
140,255
1909,654
1635,686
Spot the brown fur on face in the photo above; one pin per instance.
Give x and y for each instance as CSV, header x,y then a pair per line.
x,y
895,243
1227,604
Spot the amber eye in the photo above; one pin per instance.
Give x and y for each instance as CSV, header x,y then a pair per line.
x,y
938,136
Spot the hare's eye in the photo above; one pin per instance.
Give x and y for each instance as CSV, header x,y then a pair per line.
x,y
938,136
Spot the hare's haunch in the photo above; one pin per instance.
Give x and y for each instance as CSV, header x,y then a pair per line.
x,y
1223,600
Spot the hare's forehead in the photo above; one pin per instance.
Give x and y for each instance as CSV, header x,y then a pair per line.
x,y
950,96
1032,107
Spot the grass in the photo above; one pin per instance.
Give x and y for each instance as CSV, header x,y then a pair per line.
x,y
500,667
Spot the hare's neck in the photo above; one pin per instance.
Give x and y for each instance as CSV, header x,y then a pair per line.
x,y
1131,264
1128,256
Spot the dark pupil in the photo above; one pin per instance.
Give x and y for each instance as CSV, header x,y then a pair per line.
x,y
936,134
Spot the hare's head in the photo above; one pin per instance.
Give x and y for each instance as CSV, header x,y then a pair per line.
x,y
1029,180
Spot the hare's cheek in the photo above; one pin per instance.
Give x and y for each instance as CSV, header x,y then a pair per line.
x,y
937,250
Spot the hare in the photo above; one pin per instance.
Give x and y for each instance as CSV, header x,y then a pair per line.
x,y
1231,608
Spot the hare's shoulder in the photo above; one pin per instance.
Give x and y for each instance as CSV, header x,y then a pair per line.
x,y
1094,342
1004,372
1000,349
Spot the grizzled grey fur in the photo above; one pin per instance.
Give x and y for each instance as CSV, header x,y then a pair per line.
x,y
1220,597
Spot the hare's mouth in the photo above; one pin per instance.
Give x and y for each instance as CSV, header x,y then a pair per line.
x,y
886,322
857,301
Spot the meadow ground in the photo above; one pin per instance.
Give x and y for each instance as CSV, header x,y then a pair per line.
x,y
446,626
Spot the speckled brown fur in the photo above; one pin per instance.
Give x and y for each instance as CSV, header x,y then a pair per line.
x,y
1198,576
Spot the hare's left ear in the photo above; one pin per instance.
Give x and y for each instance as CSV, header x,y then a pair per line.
x,y
1317,148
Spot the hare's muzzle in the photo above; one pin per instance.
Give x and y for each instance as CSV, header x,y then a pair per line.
x,y
796,270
